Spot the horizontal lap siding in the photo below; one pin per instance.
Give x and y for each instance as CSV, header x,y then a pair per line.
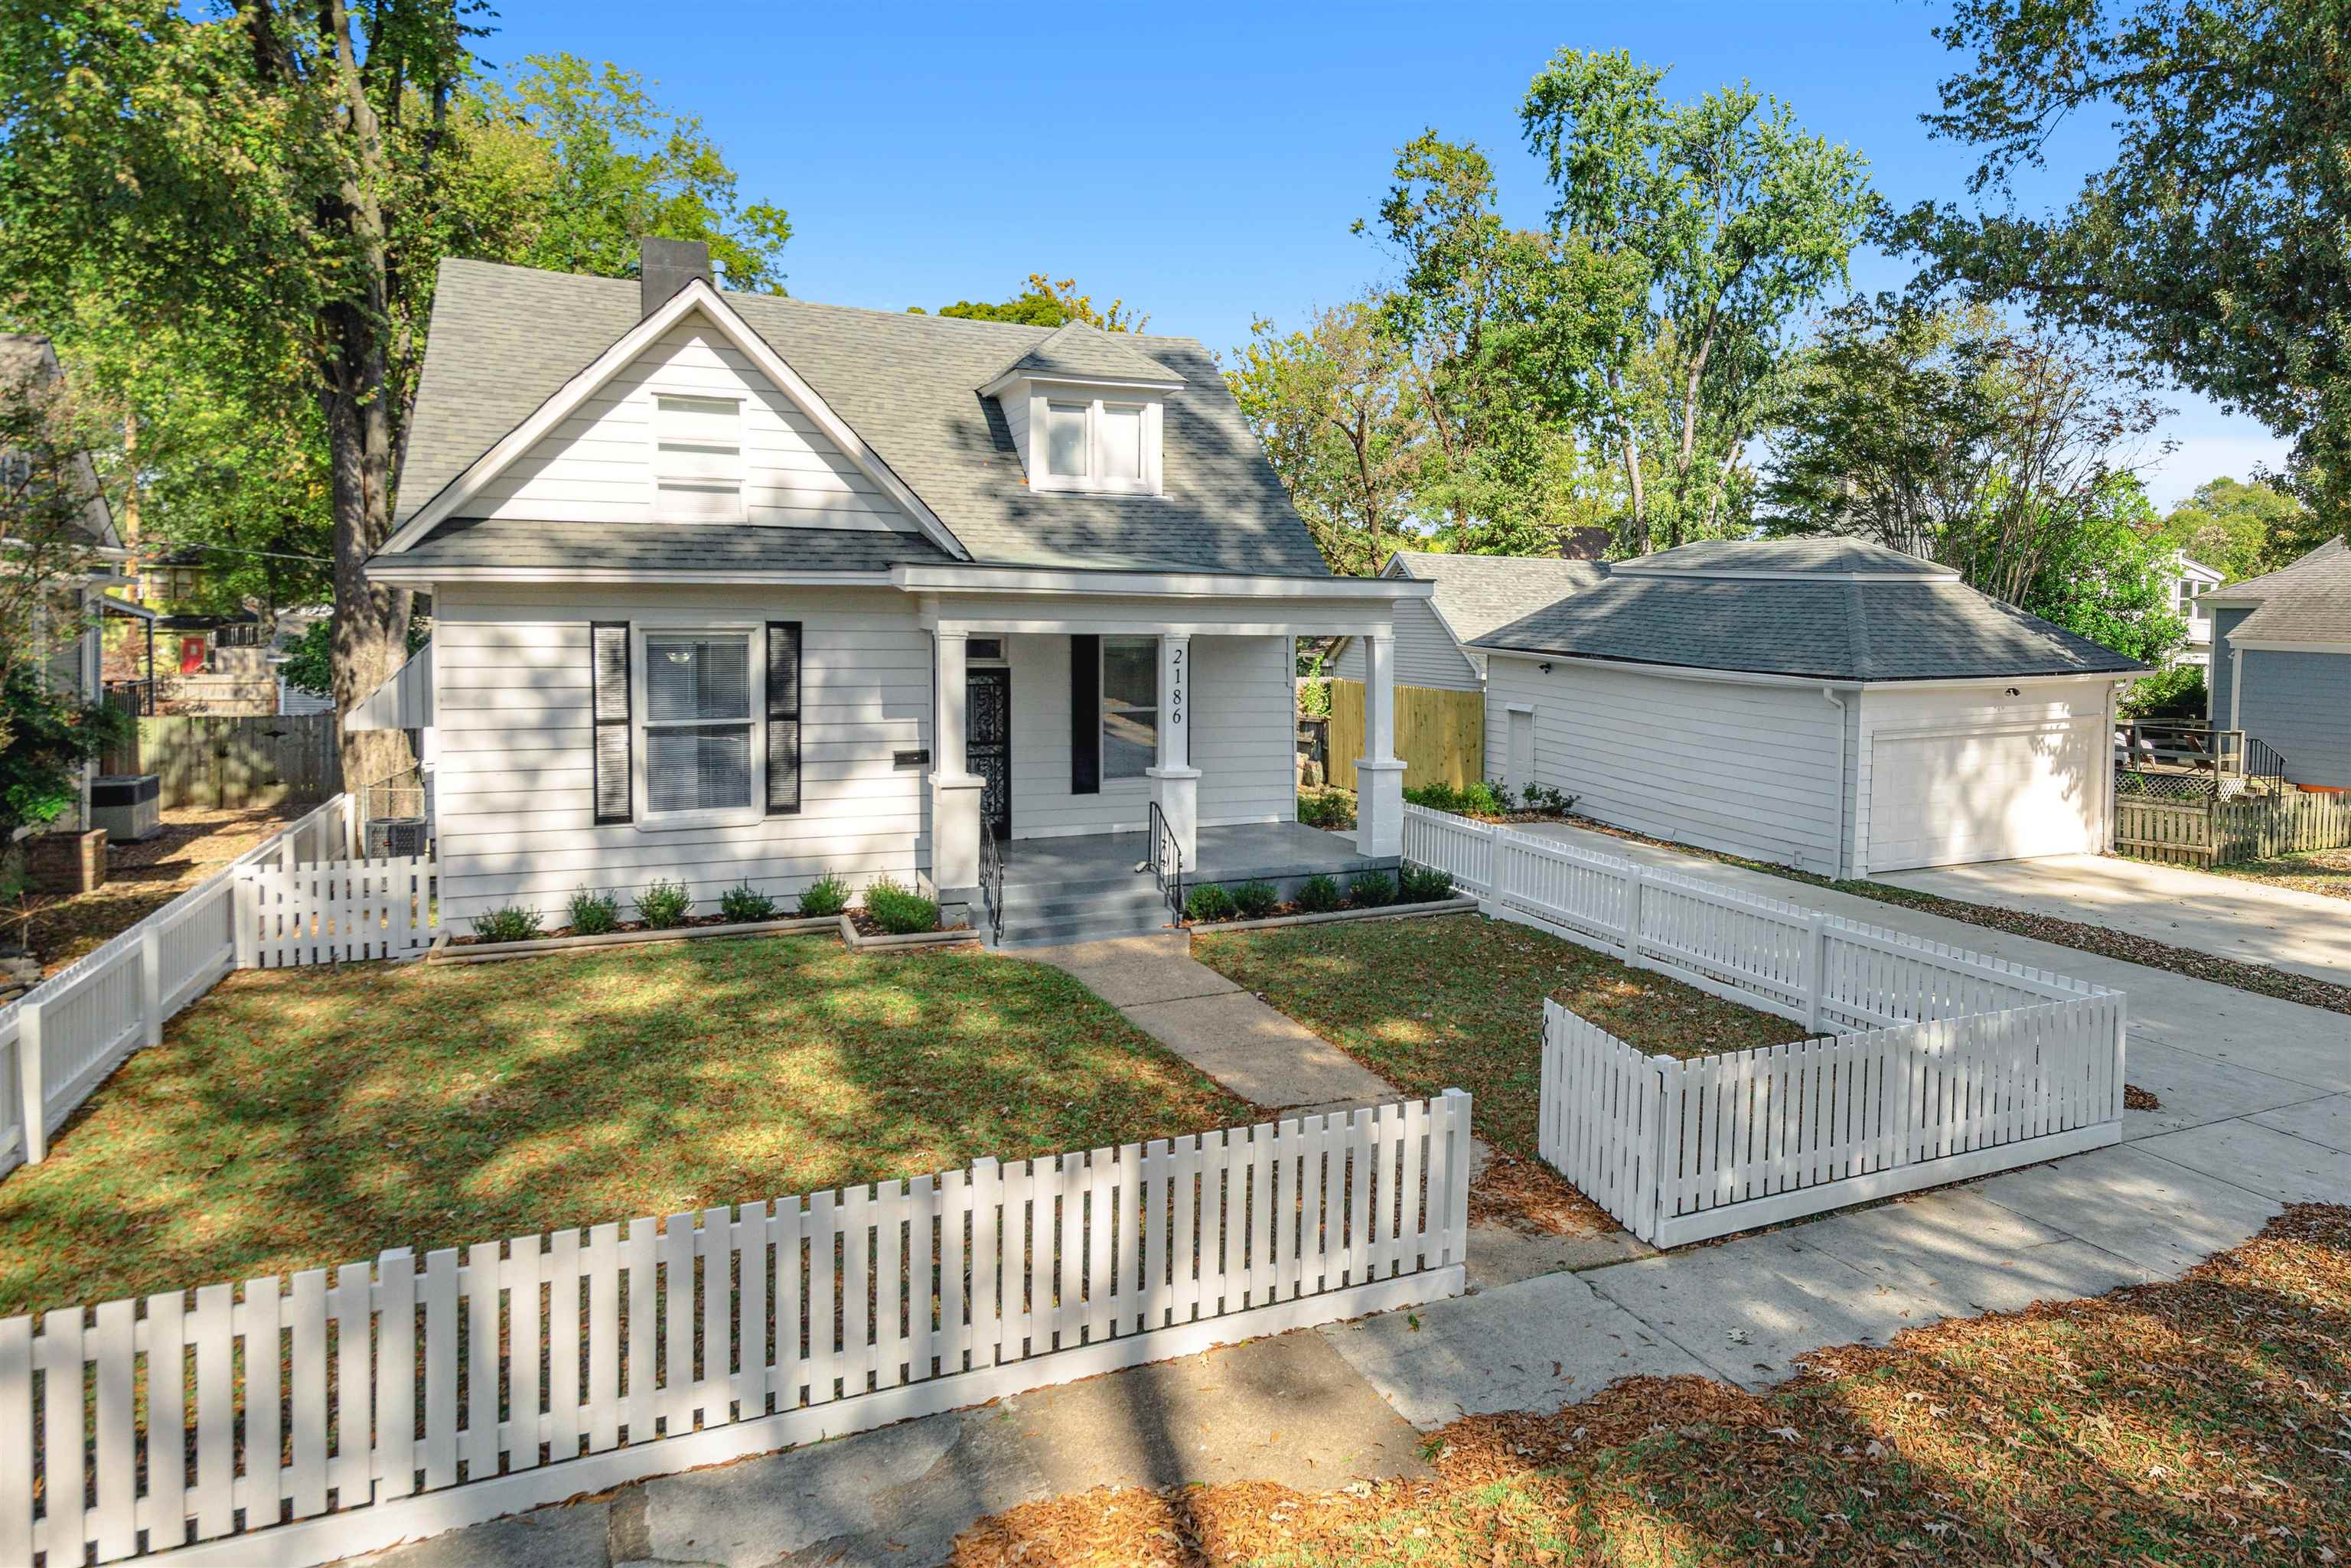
x,y
596,465
2218,682
2300,705
1749,770
513,792
1243,738
1425,653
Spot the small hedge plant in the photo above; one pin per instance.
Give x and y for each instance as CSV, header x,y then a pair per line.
x,y
1209,902
511,924
1330,809
1479,800
593,913
664,904
1256,900
828,894
1424,885
743,904
1371,890
900,910
1318,894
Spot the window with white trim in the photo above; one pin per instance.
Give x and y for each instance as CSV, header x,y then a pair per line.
x,y
696,724
1130,706
1100,444
697,458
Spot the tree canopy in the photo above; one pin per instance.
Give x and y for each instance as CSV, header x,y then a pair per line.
x,y
1047,303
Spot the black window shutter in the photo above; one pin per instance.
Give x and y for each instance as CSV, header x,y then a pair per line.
x,y
1085,716
783,717
609,649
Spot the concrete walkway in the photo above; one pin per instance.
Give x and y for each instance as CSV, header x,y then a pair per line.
x,y
2306,932
2256,1112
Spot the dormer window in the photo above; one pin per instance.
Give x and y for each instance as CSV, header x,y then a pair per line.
x,y
1098,444
1085,409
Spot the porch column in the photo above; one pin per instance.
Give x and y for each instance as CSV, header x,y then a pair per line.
x,y
1175,783
1379,776
955,793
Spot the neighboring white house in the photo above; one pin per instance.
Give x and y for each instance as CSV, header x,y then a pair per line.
x,y
1824,703
1475,594
2195,580
733,588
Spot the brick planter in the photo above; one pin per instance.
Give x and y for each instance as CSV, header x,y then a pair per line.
x,y
67,862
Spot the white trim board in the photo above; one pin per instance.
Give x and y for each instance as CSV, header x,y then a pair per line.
x,y
697,295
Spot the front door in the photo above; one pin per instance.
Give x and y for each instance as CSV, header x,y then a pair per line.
x,y
988,745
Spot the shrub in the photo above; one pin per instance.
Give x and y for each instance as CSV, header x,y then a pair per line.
x,y
1423,884
1371,890
1479,800
1332,809
1543,798
592,913
1209,902
1318,894
900,910
828,894
2175,692
1256,900
664,904
512,924
743,904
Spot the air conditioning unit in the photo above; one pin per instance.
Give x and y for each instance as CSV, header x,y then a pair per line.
x,y
396,838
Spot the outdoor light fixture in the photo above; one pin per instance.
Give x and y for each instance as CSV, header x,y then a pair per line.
x,y
2016,691
1544,667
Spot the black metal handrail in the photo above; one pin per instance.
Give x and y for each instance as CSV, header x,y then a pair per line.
x,y
2262,762
991,883
1165,858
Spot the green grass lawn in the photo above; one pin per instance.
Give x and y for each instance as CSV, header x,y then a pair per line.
x,y
2325,871
1456,1001
302,1117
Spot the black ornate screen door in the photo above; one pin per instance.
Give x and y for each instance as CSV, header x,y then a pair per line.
x,y
988,745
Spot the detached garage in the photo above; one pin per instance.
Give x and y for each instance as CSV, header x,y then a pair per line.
x,y
1821,703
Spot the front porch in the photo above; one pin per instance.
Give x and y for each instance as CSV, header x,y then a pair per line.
x,y
1082,887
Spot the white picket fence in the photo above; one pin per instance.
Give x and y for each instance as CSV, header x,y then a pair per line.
x,y
60,1039
1939,1063
292,1422
322,912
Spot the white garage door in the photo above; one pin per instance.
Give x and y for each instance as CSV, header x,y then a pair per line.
x,y
1946,799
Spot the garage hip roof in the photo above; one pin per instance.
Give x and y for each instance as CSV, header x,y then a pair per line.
x,y
1836,610
1481,593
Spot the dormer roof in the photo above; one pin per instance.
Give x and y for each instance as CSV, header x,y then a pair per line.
x,y
1077,352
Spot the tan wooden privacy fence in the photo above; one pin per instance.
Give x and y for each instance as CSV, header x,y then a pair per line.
x,y
227,764
1682,1151
1945,1064
2215,832
418,1396
60,1039
1440,735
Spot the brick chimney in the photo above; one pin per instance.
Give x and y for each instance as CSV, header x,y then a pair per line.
x,y
667,266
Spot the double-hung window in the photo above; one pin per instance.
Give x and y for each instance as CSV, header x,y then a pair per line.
x,y
701,697
1130,706
697,458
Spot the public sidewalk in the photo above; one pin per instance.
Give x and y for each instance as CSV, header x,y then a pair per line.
x,y
2256,1112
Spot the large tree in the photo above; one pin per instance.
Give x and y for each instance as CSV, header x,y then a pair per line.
x,y
2212,238
277,186
1046,302
1737,221
2242,529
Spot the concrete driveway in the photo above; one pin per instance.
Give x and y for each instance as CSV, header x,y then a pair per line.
x,y
2306,933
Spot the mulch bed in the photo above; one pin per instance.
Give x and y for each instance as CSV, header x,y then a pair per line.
x,y
2196,1421
2259,978
626,927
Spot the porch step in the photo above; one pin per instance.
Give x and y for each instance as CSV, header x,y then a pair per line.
x,y
1043,913
1053,934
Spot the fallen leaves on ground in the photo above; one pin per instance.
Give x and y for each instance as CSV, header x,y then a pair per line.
x,y
2325,871
2137,1098
141,878
2206,1420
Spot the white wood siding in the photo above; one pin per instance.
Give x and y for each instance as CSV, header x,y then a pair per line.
x,y
1015,419
1243,738
596,465
1748,770
1425,653
2067,716
512,791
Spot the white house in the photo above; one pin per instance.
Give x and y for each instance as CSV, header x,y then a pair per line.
x,y
2188,589
1475,594
740,588
1820,702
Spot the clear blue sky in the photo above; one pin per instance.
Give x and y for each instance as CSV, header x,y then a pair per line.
x,y
1204,161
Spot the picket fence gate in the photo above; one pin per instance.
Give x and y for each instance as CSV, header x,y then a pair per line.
x,y
1682,1151
60,1041
1936,1063
294,1422
324,912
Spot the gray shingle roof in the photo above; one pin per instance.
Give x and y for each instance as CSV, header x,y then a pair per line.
x,y
704,547
1477,593
504,339
1829,554
1834,629
1084,352
2307,601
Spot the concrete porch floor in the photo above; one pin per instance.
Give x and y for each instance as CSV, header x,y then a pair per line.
x,y
1250,850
